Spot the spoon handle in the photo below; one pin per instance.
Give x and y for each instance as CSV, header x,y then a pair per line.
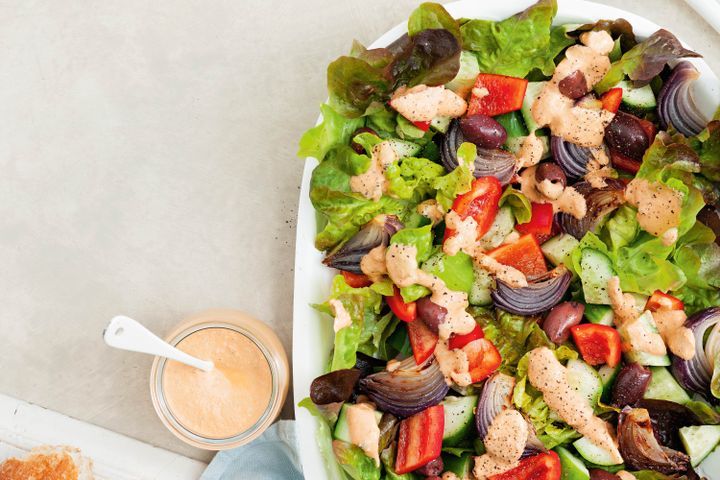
x,y
127,334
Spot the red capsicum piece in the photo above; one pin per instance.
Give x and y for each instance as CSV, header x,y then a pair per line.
x,y
544,466
480,203
459,341
420,439
623,162
483,359
598,344
541,221
525,255
422,340
611,100
505,94
356,280
660,300
424,126
407,312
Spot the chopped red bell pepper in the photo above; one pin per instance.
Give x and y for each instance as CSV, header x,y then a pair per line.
x,y
480,203
356,280
598,344
407,312
611,99
424,126
420,439
543,466
525,255
483,359
504,94
624,163
649,128
422,340
459,341
660,300
541,222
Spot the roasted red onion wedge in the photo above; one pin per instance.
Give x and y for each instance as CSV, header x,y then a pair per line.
x,y
408,389
490,162
695,374
375,233
334,387
572,158
667,418
641,450
676,105
541,294
600,203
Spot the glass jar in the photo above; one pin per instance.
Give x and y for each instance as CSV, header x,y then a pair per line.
x,y
272,351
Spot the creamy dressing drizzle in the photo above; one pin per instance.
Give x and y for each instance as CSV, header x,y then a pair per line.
x,y
626,316
504,444
422,103
431,210
574,123
363,429
373,184
510,275
530,152
454,364
567,200
671,325
342,317
623,304
372,264
658,208
549,376
598,168
625,475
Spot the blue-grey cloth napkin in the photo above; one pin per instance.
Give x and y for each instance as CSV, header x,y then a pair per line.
x,y
272,456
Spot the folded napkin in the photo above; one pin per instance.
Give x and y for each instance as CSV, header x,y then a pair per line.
x,y
272,456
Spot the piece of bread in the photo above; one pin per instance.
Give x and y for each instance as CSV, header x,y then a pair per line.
x,y
48,463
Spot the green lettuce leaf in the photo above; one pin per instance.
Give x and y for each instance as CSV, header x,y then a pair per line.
x,y
708,147
421,239
619,29
413,178
354,461
432,16
459,180
334,130
621,229
456,271
519,44
324,440
520,205
645,60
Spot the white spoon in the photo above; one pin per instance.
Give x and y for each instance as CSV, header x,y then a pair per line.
x,y
127,334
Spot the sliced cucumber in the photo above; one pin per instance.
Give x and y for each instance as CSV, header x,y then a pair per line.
x,y
459,418
641,98
461,466
403,148
513,124
559,248
600,314
699,441
342,431
466,76
592,453
405,129
632,332
440,124
571,466
647,359
531,94
585,380
597,270
663,386
607,376
501,227
481,288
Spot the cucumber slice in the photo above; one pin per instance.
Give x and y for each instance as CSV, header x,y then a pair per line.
x,y
600,314
440,124
459,418
466,76
607,376
592,453
481,288
647,359
531,94
585,380
406,129
699,441
596,271
513,124
461,466
403,148
663,386
571,466
342,431
559,248
629,334
642,98
501,227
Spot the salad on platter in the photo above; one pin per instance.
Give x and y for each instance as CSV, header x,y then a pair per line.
x,y
524,222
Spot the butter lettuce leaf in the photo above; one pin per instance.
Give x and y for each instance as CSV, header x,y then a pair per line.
x,y
519,44
334,130
520,205
458,181
707,144
431,15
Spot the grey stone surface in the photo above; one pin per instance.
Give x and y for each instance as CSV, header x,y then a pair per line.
x,y
148,168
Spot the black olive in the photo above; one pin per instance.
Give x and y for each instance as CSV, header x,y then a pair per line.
x,y
626,135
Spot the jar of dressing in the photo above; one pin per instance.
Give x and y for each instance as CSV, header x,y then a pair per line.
x,y
236,401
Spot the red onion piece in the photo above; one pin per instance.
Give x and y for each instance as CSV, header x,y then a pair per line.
x,y
375,233
572,158
667,418
600,203
540,295
676,105
407,390
695,374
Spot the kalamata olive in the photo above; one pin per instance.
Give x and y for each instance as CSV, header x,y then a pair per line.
x,y
598,474
630,385
552,172
430,313
433,467
561,318
626,135
710,217
574,85
333,387
356,146
483,131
